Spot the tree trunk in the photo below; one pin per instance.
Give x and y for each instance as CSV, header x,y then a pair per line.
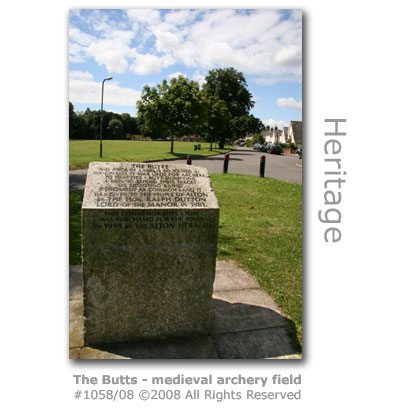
x,y
221,144
171,143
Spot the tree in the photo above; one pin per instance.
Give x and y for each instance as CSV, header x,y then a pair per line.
x,y
130,124
176,108
116,129
217,122
230,86
77,124
258,139
246,124
86,125
71,115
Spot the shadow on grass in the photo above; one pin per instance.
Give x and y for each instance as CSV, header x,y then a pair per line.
x,y
197,155
229,242
77,181
75,237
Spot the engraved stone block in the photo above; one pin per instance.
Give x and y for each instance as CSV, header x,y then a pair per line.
x,y
149,251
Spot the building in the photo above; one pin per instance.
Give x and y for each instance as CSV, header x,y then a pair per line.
x,y
192,138
267,134
295,133
285,134
278,136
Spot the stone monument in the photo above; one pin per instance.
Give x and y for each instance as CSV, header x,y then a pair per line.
x,y
149,251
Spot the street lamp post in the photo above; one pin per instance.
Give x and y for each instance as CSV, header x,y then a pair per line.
x,y
102,108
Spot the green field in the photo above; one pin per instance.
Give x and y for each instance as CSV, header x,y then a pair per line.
x,y
82,152
260,228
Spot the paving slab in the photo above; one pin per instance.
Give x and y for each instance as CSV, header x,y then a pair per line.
x,y
75,353
90,353
76,282
253,344
252,296
232,279
238,317
192,348
76,323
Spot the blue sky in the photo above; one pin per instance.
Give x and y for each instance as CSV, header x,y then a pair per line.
x,y
145,46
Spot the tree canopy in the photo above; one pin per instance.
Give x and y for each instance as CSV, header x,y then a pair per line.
x,y
230,86
86,125
240,126
217,122
177,108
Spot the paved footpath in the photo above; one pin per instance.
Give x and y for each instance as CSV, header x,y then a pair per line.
x,y
242,161
246,323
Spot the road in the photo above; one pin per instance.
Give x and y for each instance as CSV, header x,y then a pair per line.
x,y
242,161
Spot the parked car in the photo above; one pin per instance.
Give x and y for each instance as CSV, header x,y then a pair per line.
x,y
264,148
275,149
256,147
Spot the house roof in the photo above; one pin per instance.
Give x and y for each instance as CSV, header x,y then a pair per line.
x,y
297,131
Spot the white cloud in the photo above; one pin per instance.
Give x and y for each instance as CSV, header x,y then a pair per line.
x,y
200,78
112,53
79,37
89,92
81,75
289,103
177,74
166,40
275,78
276,123
260,42
289,56
77,53
146,64
78,45
143,15
181,16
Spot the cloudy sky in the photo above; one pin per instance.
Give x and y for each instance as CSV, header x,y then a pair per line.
x,y
145,46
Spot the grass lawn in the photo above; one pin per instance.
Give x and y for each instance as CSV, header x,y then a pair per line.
x,y
82,152
260,228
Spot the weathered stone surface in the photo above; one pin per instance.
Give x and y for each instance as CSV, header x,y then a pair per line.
x,y
149,251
